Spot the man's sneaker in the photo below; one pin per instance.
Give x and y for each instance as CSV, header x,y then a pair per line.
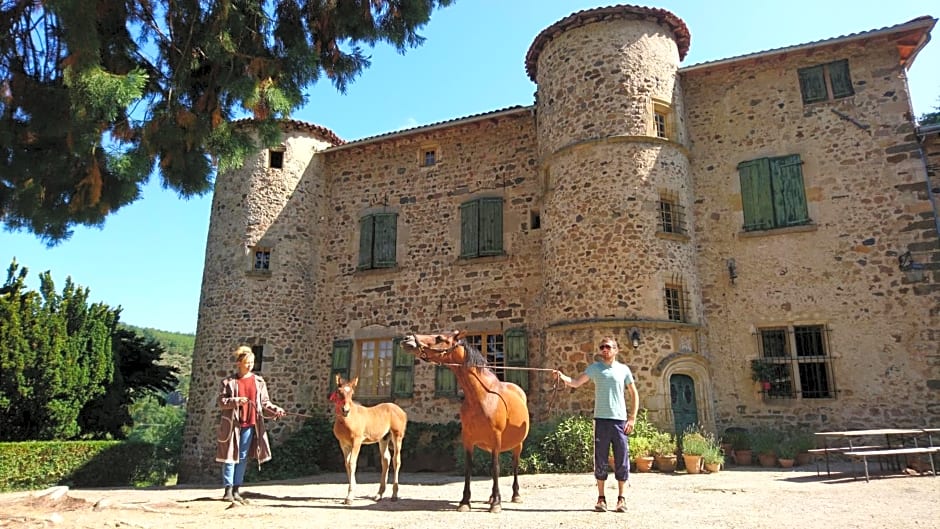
x,y
621,504
601,505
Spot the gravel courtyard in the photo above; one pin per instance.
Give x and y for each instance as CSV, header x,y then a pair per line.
x,y
739,497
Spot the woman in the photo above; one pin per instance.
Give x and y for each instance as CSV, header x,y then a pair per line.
x,y
244,400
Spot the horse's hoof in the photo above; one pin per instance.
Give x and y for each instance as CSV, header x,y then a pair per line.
x,y
496,508
347,501
394,498
517,499
463,507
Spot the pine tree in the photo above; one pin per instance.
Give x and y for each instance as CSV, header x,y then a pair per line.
x,y
97,94
55,356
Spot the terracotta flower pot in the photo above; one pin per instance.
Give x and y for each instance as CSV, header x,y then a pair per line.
x,y
767,460
644,463
711,468
742,457
693,463
786,463
665,463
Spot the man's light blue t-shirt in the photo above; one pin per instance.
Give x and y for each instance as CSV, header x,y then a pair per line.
x,y
609,384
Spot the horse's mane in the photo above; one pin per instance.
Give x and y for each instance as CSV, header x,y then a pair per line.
x,y
473,356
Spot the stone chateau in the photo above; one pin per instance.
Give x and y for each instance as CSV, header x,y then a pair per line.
x,y
778,207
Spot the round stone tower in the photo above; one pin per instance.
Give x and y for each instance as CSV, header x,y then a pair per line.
x,y
263,219
618,239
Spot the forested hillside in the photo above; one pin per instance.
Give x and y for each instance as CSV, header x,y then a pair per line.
x,y
179,351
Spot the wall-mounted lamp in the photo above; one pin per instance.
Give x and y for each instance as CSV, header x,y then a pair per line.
x,y
732,270
635,337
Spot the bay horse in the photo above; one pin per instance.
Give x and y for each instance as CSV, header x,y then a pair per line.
x,y
494,415
355,425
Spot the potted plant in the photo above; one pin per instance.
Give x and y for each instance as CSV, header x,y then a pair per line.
x,y
740,444
786,452
694,445
663,446
712,459
640,451
762,372
764,441
803,442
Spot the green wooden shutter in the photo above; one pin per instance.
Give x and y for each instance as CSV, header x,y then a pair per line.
x,y
341,360
786,174
403,367
445,382
756,194
813,84
491,226
840,78
386,235
517,355
366,236
470,229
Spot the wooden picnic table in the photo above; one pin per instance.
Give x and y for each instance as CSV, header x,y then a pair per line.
x,y
864,451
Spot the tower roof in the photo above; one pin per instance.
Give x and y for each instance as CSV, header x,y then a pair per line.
x,y
582,18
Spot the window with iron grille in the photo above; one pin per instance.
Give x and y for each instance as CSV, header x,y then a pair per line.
x,y
378,237
671,214
796,362
481,227
676,300
825,81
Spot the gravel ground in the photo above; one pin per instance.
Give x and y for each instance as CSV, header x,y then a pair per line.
x,y
739,497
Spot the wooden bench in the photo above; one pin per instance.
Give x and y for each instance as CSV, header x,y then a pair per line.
x,y
839,450
865,454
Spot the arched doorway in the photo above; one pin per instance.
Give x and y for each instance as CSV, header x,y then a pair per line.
x,y
682,398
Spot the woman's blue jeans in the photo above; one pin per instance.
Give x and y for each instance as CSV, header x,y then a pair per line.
x,y
233,474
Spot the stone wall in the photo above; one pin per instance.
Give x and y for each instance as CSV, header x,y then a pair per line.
x,y
581,174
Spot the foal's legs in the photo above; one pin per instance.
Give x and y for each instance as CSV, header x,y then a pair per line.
x,y
351,455
383,478
396,444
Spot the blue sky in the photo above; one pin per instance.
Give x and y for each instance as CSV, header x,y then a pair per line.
x,y
148,257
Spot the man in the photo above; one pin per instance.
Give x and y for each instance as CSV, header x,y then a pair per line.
x,y
612,423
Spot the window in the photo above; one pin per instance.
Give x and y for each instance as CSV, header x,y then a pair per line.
x,y
481,227
262,259
772,193
383,369
671,214
429,154
795,363
276,158
378,235
825,81
501,351
676,300
258,351
662,120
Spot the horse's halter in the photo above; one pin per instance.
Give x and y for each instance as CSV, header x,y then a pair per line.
x,y
424,349
338,398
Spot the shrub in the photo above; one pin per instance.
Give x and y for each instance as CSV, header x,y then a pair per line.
x,y
40,464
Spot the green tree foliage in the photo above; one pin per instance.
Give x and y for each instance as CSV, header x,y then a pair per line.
x,y
55,356
931,118
96,94
138,374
